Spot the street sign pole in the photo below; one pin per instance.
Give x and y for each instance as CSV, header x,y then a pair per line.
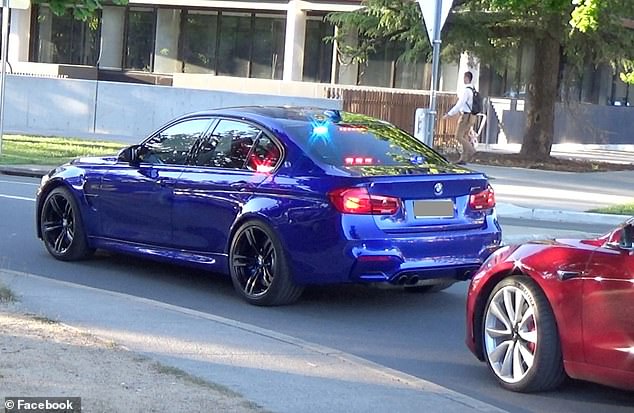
x,y
434,13
435,74
3,71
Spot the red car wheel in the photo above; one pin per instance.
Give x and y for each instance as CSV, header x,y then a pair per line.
x,y
520,338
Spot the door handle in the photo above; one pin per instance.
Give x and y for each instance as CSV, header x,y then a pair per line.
x,y
566,275
165,181
240,185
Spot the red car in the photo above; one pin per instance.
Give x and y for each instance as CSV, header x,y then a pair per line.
x,y
541,311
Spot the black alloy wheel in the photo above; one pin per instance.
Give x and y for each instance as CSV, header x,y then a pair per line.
x,y
62,228
258,267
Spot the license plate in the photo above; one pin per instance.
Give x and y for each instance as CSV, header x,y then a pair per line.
x,y
435,208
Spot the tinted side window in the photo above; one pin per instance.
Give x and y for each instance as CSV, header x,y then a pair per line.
x,y
265,155
228,146
172,145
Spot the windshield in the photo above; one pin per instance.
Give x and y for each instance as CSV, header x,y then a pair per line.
x,y
358,140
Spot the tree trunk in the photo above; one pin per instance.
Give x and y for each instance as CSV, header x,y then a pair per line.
x,y
541,98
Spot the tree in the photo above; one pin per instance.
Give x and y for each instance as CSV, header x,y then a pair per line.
x,y
574,32
80,9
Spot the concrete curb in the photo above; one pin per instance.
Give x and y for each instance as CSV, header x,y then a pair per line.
x,y
26,171
553,215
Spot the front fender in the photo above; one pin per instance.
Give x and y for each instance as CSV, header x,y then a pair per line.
x,y
539,262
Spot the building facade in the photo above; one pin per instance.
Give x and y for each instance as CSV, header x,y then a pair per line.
x,y
271,39
278,40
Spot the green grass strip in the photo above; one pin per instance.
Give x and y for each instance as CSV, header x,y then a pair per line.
x,y
42,150
624,209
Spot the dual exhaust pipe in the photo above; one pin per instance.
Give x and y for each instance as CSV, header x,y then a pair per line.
x,y
415,279
407,280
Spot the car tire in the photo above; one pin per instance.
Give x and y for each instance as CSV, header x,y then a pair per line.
x,y
62,227
520,337
431,288
259,267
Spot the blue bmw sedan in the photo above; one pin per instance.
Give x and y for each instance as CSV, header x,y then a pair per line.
x,y
278,198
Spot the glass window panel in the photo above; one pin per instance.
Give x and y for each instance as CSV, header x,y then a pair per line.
x,y
172,145
619,97
378,69
234,46
228,146
411,75
317,53
65,40
199,42
265,155
376,72
139,41
267,60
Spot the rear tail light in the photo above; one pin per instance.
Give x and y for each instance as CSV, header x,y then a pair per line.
x,y
482,200
359,201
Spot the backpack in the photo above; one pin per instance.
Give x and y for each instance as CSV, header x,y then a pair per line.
x,y
476,106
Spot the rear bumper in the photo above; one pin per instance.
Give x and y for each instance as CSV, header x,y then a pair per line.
x,y
407,260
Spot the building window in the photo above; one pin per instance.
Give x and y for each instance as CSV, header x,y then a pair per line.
x,y
139,38
65,40
233,44
380,68
267,56
317,53
199,41
412,75
620,93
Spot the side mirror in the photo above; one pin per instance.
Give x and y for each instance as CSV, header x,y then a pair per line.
x,y
623,239
129,155
627,237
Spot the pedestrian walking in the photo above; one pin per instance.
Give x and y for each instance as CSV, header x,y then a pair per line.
x,y
464,107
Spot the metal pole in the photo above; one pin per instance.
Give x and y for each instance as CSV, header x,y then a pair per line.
x,y
435,75
3,72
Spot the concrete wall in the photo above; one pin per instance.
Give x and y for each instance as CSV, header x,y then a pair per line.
x,y
117,111
574,123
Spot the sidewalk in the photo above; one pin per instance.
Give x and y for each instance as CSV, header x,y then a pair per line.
x,y
622,154
277,372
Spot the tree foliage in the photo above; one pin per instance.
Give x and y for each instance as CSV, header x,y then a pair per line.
x,y
575,32
80,9
381,23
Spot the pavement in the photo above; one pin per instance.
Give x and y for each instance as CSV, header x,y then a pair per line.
x,y
277,372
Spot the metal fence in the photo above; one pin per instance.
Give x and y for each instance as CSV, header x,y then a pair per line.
x,y
399,107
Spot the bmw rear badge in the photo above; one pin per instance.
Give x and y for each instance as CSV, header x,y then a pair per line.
x,y
438,188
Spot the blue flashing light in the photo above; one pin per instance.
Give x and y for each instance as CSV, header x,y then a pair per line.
x,y
417,159
333,115
320,132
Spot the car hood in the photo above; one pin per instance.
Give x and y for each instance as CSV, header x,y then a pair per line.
x,y
95,160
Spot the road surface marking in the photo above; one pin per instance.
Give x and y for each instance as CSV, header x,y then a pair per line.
x,y
19,183
19,198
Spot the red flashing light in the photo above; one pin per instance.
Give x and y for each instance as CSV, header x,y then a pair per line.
x,y
265,169
359,201
352,128
350,161
482,200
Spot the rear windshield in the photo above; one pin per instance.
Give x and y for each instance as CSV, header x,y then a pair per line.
x,y
358,141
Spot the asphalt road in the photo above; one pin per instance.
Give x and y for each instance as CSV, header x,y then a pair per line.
x,y
422,335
